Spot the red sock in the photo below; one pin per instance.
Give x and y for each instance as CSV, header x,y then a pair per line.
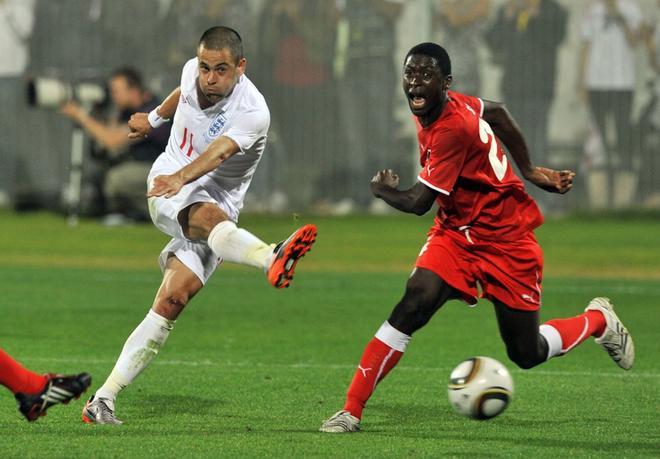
x,y
576,329
17,378
378,359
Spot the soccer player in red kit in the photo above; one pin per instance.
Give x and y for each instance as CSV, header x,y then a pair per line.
x,y
482,234
35,392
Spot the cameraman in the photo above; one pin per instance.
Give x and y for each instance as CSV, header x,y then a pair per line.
x,y
125,183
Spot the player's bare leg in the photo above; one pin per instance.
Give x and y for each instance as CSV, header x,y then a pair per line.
x,y
425,294
529,344
179,285
206,221
520,332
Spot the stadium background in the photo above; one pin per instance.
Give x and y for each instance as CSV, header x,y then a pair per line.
x,y
309,163
250,371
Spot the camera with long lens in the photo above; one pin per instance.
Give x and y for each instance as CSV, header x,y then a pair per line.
x,y
52,93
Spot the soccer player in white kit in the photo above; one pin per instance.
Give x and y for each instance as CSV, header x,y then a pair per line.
x,y
196,190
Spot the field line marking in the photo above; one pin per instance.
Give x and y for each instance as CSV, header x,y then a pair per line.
x,y
302,365
563,285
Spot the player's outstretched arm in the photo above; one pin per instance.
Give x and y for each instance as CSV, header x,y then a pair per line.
x,y
140,124
416,200
506,129
217,152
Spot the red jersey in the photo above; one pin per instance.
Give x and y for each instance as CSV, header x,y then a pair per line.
x,y
463,160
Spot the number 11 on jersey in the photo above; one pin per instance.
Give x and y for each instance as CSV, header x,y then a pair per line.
x,y
189,142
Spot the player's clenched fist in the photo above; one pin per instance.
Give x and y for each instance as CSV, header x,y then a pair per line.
x,y
139,125
385,177
551,180
165,185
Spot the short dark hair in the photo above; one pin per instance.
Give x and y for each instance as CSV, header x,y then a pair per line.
x,y
220,37
132,77
435,52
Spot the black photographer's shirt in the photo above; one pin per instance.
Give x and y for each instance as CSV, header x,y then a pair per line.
x,y
149,148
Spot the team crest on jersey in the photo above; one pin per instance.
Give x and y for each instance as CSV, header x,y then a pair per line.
x,y
215,127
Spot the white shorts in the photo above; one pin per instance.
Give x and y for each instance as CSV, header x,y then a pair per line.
x,y
195,255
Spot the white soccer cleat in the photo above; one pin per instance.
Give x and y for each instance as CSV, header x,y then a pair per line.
x,y
615,339
341,422
99,411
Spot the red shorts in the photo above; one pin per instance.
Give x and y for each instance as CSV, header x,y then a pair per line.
x,y
510,272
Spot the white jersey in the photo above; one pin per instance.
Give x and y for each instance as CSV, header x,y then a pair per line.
x,y
243,116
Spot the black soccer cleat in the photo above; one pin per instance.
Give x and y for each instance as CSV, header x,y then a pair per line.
x,y
59,389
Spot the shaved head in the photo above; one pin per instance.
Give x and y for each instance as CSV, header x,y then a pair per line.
x,y
435,52
220,37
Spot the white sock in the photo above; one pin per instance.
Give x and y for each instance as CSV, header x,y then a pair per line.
x,y
239,246
553,338
393,337
139,350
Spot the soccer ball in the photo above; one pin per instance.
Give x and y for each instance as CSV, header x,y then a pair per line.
x,y
480,388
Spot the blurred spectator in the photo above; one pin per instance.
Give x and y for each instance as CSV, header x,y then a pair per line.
x,y
651,38
460,25
297,44
648,127
610,31
524,41
237,15
68,57
368,81
129,161
183,20
138,48
16,21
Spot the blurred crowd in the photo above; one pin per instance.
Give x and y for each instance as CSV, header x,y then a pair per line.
x,y
581,79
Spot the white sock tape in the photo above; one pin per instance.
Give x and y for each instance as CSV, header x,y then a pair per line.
x,y
553,338
393,337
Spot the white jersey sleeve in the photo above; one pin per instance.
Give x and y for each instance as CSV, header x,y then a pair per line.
x,y
250,127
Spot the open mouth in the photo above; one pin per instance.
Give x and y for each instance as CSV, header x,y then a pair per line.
x,y
417,101
213,96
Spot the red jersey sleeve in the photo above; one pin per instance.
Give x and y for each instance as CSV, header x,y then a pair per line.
x,y
443,161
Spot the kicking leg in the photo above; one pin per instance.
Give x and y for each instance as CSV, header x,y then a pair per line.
x,y
528,344
179,285
207,221
425,294
598,320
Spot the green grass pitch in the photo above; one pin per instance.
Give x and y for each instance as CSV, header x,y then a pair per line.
x,y
249,371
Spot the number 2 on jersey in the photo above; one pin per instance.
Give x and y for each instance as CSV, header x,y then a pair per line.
x,y
486,134
186,140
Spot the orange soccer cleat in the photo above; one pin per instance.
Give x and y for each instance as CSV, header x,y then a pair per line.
x,y
287,254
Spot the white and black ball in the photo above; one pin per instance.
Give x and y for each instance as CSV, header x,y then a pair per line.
x,y
480,388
